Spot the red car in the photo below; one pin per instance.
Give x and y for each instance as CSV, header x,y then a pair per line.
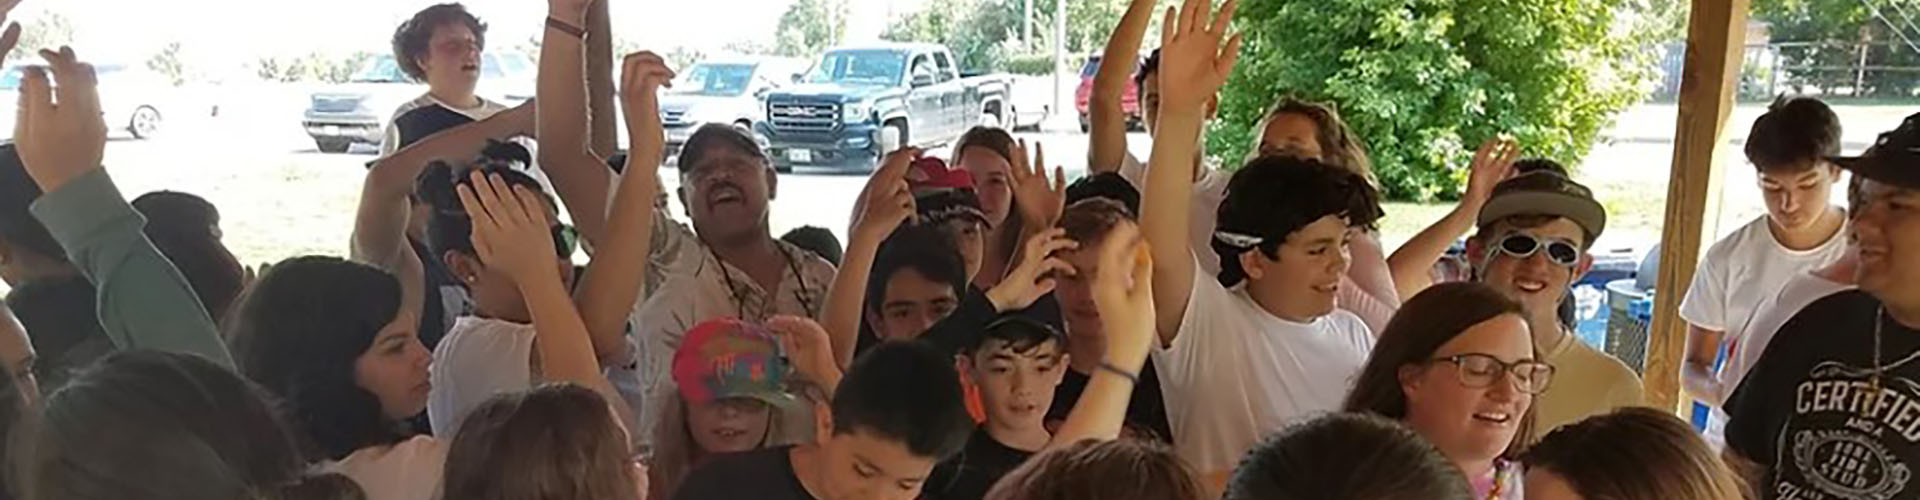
x,y
1129,103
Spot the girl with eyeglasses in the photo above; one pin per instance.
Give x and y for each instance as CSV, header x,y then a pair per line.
x,y
1458,365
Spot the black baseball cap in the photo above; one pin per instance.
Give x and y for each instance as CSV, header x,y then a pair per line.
x,y
1546,192
1893,159
715,135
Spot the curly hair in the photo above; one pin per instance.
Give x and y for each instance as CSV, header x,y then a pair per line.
x,y
1339,146
1274,196
414,38
299,332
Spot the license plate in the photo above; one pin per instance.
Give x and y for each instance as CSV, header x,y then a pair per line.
x,y
800,155
332,130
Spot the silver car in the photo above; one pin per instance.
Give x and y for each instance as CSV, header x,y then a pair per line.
x,y
723,90
341,115
134,99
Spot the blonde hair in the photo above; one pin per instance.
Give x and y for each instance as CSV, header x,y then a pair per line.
x,y
674,450
1338,144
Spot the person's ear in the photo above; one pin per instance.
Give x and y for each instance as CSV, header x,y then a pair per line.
x,y
1476,253
1254,263
1061,367
822,420
1409,378
681,194
963,363
466,269
1213,107
1580,270
773,183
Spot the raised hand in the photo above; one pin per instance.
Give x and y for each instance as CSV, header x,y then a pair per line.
x,y
807,346
11,36
1035,276
1041,200
641,77
511,230
60,141
1123,295
1491,164
887,200
1194,64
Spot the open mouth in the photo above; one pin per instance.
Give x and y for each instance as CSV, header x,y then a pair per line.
x,y
727,194
1329,288
470,67
1023,408
1529,286
1495,418
729,433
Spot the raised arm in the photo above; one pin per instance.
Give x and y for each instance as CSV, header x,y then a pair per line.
x,y
510,228
1107,120
143,301
1194,63
1040,199
1412,263
1123,295
604,134
884,204
580,178
612,282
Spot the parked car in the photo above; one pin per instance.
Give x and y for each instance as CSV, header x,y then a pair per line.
x,y
1129,102
860,102
728,90
341,115
133,98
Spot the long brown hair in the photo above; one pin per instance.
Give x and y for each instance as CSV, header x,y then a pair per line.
x,y
555,442
1126,469
1339,146
1001,143
1635,454
1424,323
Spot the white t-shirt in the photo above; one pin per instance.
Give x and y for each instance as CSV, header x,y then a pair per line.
x,y
1795,295
1743,270
1236,372
478,359
408,470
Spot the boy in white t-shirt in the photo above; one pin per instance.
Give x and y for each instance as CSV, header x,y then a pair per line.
x,y
1243,355
1800,232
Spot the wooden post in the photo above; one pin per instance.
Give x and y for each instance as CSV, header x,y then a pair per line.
x,y
1716,40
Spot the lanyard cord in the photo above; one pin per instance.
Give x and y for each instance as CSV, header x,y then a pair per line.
x,y
739,297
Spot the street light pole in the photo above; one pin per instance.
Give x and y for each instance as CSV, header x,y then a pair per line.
x,y
1026,27
1059,54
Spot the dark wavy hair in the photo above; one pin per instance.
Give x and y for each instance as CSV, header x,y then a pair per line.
x,y
298,333
1125,469
556,441
448,227
182,226
906,393
924,248
157,425
1796,134
1346,455
1424,323
1274,196
414,38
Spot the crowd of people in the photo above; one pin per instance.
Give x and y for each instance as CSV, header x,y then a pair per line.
x,y
520,322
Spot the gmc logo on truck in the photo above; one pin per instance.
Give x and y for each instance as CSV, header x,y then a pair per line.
x,y
798,111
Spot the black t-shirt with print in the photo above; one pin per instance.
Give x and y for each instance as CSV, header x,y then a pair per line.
x,y
1810,414
970,474
765,474
1146,411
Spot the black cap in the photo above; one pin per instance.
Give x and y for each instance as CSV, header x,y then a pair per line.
x,y
715,135
1546,192
1108,185
1893,159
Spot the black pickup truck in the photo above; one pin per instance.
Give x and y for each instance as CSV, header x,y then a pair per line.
x,y
860,102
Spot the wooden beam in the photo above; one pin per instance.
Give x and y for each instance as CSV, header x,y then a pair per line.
x,y
1716,40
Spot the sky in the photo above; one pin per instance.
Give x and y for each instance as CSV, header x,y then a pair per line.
x,y
238,31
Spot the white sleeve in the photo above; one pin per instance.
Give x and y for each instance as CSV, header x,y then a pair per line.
x,y
471,367
1705,305
1133,170
1208,316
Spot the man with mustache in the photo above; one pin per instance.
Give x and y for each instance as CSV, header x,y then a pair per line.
x,y
734,267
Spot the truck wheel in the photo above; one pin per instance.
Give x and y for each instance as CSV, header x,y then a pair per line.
x,y
892,138
145,123
333,146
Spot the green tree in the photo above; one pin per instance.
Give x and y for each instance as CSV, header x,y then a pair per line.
x,y
167,62
809,27
1424,81
1839,31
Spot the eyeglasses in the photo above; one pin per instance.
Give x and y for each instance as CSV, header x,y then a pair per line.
x,y
1522,245
1480,371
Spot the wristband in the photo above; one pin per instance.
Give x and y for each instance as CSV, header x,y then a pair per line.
x,y
564,27
1116,370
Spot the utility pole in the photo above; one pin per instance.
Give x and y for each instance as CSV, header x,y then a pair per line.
x,y
1059,54
1026,27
